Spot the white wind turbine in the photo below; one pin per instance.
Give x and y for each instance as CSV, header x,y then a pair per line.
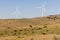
x,y
16,13
42,8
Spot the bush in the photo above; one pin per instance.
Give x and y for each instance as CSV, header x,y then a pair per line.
x,y
32,31
31,38
1,33
15,30
31,26
39,28
8,27
43,33
46,30
18,36
20,30
45,26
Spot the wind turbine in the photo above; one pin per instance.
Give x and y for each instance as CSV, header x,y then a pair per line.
x,y
16,13
42,8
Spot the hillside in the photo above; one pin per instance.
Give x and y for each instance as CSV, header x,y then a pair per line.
x,y
28,27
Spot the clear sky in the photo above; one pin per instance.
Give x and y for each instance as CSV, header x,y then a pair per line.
x,y
28,8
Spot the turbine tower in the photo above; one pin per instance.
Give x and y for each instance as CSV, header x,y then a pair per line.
x,y
43,9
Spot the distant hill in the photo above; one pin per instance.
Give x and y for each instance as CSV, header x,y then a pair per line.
x,y
48,20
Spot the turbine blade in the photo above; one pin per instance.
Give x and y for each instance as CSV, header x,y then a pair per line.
x,y
44,4
38,7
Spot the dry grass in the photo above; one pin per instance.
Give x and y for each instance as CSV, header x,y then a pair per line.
x,y
30,29
33,37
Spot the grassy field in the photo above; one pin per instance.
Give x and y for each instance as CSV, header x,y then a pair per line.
x,y
40,28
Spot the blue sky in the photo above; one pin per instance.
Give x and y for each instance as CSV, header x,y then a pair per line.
x,y
28,8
